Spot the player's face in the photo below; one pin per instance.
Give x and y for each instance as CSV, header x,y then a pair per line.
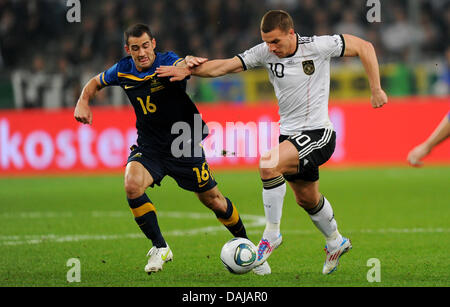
x,y
280,43
142,51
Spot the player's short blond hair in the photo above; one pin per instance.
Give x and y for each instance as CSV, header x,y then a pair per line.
x,y
276,19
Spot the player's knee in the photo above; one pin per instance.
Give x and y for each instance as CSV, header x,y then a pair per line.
x,y
133,187
268,172
267,167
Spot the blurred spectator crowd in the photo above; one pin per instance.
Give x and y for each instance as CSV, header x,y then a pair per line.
x,y
35,34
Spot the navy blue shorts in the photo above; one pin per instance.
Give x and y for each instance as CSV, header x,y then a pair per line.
x,y
190,173
315,147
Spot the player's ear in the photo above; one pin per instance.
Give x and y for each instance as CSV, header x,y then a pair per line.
x,y
127,49
154,43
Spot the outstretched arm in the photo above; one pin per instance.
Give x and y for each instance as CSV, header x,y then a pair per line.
x,y
190,61
355,46
207,69
83,113
441,132
217,68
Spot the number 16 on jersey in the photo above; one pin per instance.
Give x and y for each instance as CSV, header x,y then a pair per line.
x,y
148,107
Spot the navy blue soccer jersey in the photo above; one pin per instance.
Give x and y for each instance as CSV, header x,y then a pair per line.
x,y
157,102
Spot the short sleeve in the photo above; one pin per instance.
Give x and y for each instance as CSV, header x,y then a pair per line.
x,y
109,77
253,57
171,58
330,45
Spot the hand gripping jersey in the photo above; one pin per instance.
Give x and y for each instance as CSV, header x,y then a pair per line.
x,y
157,102
301,81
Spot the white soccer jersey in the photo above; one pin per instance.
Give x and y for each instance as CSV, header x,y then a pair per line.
x,y
301,81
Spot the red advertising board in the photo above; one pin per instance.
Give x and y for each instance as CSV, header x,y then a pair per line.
x,y
42,141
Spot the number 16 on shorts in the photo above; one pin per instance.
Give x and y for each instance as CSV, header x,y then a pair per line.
x,y
203,175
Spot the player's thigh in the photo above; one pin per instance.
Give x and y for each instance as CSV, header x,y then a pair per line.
x,y
137,178
191,174
282,159
306,193
314,147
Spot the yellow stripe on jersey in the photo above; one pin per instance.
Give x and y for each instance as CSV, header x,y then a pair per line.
x,y
133,77
177,61
144,209
232,220
103,79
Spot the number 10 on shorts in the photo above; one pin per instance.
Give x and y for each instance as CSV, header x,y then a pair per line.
x,y
302,139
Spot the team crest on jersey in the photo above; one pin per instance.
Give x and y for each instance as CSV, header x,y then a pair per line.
x,y
308,67
156,85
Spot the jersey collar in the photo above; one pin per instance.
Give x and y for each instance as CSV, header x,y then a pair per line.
x,y
296,46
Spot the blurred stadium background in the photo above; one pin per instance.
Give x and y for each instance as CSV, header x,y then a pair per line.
x,y
45,61
43,54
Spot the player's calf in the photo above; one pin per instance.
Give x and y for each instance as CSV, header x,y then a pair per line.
x,y
224,210
231,220
145,216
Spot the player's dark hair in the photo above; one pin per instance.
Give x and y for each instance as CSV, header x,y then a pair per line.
x,y
276,19
136,31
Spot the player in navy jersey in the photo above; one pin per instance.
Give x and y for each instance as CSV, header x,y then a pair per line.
x,y
159,106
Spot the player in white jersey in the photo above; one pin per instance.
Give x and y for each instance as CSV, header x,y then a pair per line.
x,y
299,70
301,80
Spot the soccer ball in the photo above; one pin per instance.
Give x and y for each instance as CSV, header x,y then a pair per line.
x,y
238,255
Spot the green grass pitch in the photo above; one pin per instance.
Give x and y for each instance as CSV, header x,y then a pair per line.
x,y
400,216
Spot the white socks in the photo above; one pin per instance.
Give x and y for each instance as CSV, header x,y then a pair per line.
x,y
323,217
273,196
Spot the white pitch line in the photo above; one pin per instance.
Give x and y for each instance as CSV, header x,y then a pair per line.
x,y
52,238
35,215
112,214
369,231
251,221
